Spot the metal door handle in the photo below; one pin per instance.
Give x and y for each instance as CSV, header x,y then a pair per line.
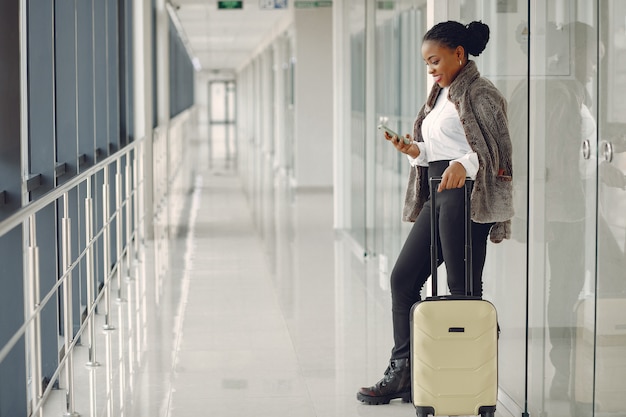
x,y
607,151
586,149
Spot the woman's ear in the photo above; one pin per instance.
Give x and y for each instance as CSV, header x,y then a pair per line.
x,y
459,52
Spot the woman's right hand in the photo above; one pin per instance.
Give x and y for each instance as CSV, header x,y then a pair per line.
x,y
410,149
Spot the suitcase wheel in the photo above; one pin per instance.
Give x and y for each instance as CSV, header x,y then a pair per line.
x,y
424,411
487,411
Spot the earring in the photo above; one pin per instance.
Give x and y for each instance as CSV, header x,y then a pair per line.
x,y
460,63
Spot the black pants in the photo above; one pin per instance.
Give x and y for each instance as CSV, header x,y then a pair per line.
x,y
412,267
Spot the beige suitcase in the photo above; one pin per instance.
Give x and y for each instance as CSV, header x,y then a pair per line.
x,y
454,346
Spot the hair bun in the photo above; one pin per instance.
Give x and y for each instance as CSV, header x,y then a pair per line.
x,y
478,37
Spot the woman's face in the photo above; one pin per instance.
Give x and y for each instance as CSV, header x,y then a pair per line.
x,y
442,61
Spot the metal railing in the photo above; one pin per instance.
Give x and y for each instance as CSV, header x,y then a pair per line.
x,y
127,220
111,200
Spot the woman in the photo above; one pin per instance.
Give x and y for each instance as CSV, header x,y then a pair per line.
x,y
461,131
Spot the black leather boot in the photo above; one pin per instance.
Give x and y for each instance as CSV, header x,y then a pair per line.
x,y
395,384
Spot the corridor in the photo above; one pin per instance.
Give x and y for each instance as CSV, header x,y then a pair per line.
x,y
198,214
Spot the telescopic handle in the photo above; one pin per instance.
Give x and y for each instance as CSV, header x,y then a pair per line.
x,y
434,235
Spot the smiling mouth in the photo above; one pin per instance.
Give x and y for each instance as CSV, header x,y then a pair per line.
x,y
437,78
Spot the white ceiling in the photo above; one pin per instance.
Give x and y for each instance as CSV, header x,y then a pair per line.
x,y
224,39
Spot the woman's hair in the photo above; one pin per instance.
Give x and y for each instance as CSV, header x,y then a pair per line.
x,y
472,37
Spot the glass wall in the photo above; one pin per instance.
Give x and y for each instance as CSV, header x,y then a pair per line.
x,y
12,400
505,63
221,116
563,177
357,175
76,77
567,253
288,160
610,339
387,83
181,72
400,90
558,283
264,145
74,118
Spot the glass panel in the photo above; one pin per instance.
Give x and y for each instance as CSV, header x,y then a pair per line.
x,y
221,119
267,228
231,109
400,79
65,88
85,82
290,115
505,63
563,114
113,74
100,69
14,397
217,95
218,147
357,124
610,346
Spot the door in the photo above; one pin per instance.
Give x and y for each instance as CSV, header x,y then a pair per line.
x,y
610,336
562,175
222,119
577,313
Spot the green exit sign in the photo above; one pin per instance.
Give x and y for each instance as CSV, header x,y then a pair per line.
x,y
229,5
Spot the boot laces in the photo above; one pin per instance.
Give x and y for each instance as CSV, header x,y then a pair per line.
x,y
389,375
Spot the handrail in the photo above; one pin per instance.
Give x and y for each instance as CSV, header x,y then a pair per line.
x,y
33,207
52,291
35,303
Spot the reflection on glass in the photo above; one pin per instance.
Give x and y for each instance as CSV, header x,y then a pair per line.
x,y
571,52
400,80
505,63
562,178
357,126
610,338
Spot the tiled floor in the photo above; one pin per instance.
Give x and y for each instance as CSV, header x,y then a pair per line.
x,y
268,329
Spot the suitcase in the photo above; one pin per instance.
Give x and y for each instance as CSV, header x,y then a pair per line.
x,y
454,342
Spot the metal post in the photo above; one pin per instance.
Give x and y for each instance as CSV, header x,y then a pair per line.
x,y
122,358
107,251
68,322
91,293
129,223
227,125
138,226
137,202
108,367
92,392
34,331
118,228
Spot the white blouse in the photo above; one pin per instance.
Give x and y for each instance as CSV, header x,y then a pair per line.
x,y
444,138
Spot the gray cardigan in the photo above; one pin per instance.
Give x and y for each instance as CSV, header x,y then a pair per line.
x,y
482,110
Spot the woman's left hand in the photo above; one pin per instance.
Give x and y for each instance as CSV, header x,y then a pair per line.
x,y
453,177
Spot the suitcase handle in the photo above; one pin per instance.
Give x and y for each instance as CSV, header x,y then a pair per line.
x,y
434,236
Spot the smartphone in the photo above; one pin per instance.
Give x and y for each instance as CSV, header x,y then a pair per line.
x,y
392,133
